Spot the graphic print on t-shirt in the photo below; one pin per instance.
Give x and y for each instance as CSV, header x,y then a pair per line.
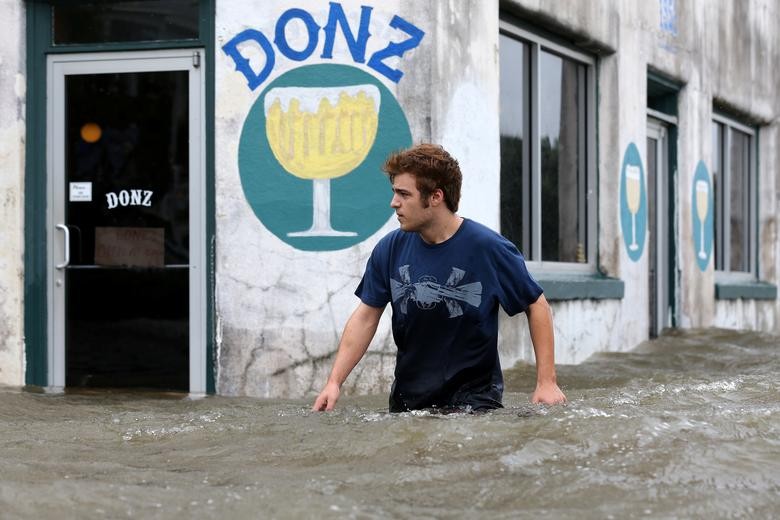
x,y
427,292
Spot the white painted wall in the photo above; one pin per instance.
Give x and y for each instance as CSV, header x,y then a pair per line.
x,y
12,113
281,311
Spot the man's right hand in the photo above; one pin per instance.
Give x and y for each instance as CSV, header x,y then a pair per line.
x,y
358,331
327,398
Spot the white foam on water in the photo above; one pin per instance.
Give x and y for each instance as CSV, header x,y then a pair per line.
x,y
373,417
590,412
713,387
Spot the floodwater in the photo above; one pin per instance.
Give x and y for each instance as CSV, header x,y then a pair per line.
x,y
687,426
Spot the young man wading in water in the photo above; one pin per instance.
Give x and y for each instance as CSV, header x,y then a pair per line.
x,y
444,277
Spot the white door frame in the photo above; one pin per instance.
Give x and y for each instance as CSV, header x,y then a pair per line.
x,y
61,65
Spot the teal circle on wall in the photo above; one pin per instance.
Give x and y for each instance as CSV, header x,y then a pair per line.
x,y
310,156
633,203
703,215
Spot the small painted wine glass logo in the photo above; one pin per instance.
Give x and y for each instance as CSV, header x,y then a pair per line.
x,y
319,134
633,192
702,207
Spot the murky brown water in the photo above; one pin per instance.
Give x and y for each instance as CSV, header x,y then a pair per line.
x,y
684,427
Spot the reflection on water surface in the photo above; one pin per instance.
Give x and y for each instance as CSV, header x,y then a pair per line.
x,y
685,426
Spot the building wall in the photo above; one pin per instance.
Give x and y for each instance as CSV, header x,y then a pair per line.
x,y
12,107
279,326
281,310
282,301
733,53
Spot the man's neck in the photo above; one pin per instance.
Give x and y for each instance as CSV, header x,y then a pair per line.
x,y
441,230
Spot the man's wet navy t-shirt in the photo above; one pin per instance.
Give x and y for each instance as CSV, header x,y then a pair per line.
x,y
445,300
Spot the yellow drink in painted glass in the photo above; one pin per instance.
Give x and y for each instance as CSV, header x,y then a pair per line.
x,y
633,199
702,199
633,188
322,132
702,205
318,134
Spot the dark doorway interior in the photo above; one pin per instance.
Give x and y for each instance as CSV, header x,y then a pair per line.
x,y
127,283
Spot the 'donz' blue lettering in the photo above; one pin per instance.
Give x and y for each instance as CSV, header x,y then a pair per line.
x,y
396,49
357,45
311,28
356,41
242,64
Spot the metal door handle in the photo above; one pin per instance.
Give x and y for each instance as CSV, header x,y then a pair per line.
x,y
64,264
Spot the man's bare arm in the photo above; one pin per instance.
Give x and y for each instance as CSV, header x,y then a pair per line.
x,y
543,338
357,335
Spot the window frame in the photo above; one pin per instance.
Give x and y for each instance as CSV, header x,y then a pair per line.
x,y
531,180
722,236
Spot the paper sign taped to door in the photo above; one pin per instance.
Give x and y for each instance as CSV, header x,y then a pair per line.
x,y
80,192
130,246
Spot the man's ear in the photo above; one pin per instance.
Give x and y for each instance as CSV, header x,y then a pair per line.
x,y
437,197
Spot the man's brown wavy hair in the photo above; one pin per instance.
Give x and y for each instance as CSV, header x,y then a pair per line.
x,y
432,167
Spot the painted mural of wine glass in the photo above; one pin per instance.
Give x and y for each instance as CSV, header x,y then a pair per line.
x,y
319,134
702,207
633,192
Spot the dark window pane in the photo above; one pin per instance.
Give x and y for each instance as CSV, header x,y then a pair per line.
x,y
127,140
739,215
563,181
513,117
140,339
652,178
127,135
717,190
131,21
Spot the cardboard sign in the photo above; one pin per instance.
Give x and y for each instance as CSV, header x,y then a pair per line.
x,y
128,246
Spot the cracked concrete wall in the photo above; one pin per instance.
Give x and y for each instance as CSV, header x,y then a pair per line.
x,y
12,103
281,310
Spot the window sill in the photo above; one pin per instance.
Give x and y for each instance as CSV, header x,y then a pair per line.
x,y
753,290
559,287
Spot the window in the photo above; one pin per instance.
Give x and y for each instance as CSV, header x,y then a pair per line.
x,y
547,138
124,21
734,181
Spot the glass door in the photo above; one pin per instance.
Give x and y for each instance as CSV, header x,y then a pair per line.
x,y
658,225
126,246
